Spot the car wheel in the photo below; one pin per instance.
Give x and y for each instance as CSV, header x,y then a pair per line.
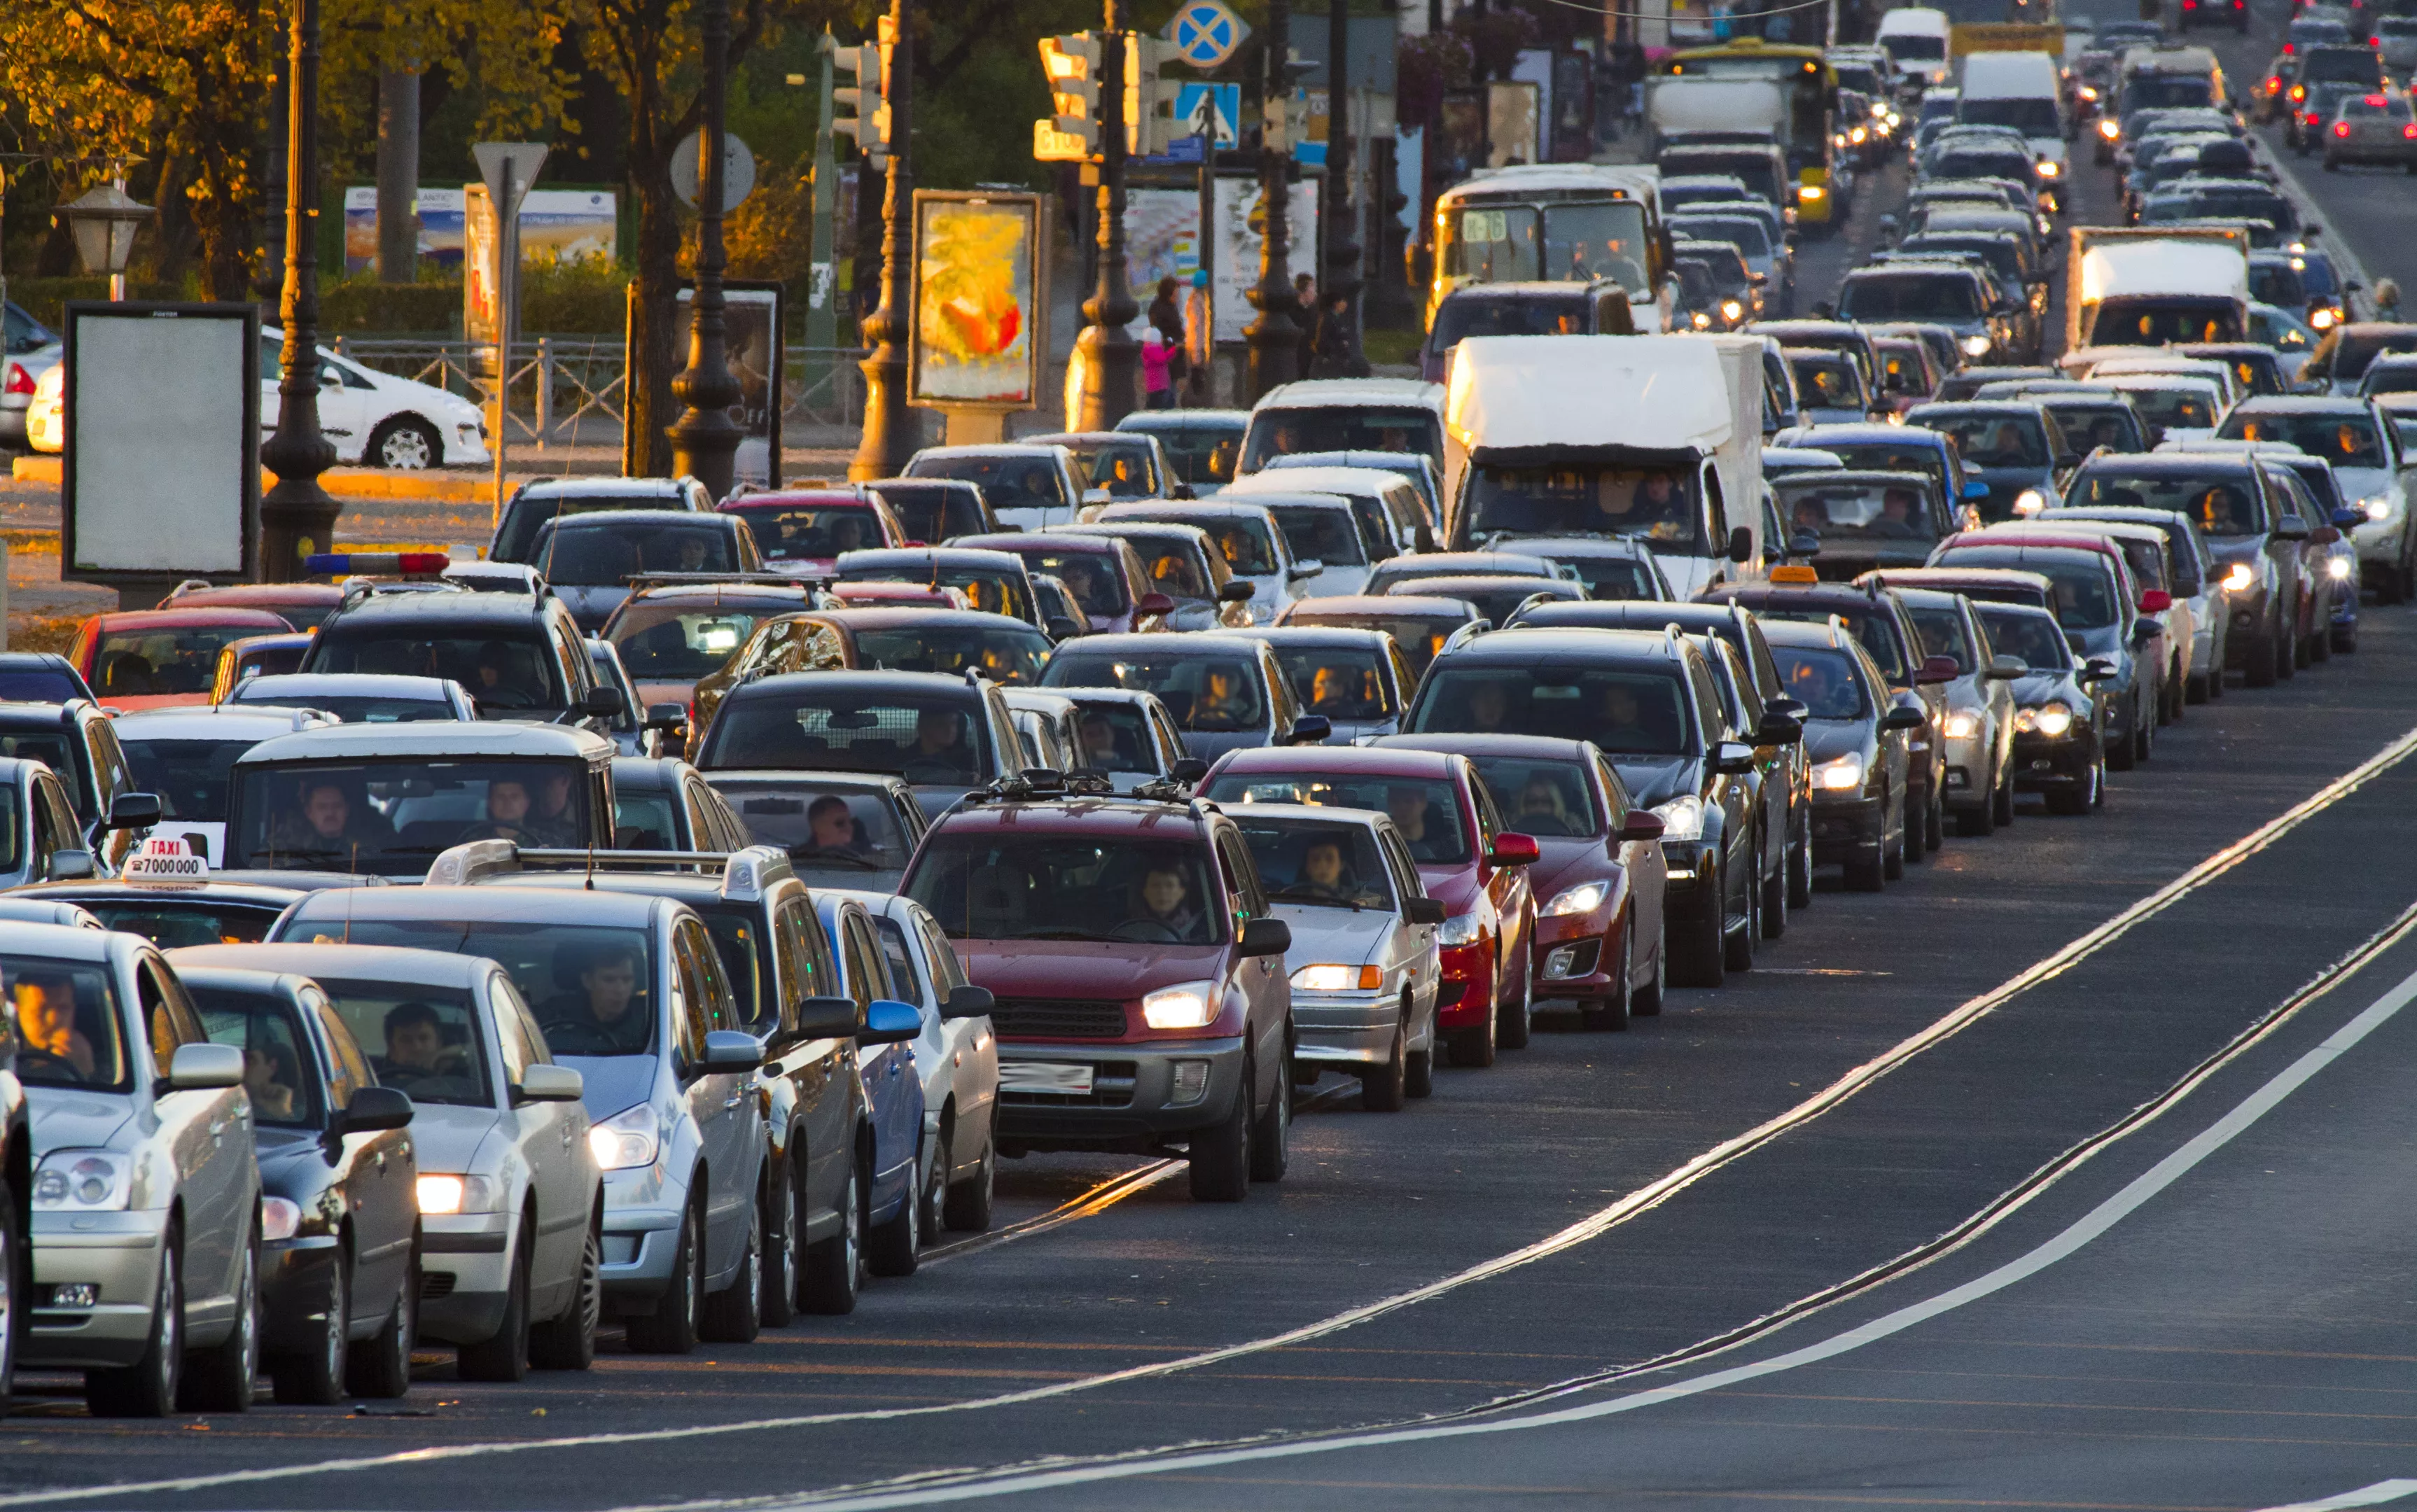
x,y
2125,751
835,1266
315,1376
935,1186
1774,899
2345,638
1800,867
504,1356
735,1314
14,1304
1382,1088
1610,1013
1220,1155
2260,668
406,442
1646,1002
966,1208
147,1388
1736,950
568,1342
891,1246
1893,857
221,1379
671,1327
1701,959
2144,738
785,1234
2001,798
381,1368
1514,1015
1271,1136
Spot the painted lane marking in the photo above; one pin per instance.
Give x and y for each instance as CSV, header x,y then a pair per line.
x,y
2375,1495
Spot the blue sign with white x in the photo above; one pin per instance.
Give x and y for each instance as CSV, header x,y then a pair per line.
x,y
1206,33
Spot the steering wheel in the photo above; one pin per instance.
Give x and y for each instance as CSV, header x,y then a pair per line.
x,y
1135,929
25,1051
930,770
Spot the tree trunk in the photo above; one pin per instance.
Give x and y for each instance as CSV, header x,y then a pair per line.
x,y
653,330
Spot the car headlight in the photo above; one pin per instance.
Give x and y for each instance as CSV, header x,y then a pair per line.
x,y
1325,977
1703,322
1843,775
1583,899
2110,128
628,1140
2029,501
1960,725
1975,345
1732,309
1461,930
1682,817
84,1181
2051,719
1185,1006
2046,168
457,1194
2319,320
281,1219
2088,92
1808,191
2240,578
2337,567
2378,506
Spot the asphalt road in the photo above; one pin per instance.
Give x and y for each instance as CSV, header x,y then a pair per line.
x,y
1996,1077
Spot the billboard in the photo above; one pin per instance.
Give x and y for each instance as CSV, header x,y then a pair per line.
x,y
978,295
1163,238
752,322
562,223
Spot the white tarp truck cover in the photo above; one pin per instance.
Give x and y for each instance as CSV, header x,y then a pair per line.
x,y
2141,262
1690,103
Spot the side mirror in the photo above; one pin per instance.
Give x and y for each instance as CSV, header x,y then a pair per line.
x,y
134,811
1778,730
2006,667
726,1049
1308,567
1741,545
1060,628
1512,850
1182,490
669,717
1641,825
603,703
2096,670
889,1021
1975,491
197,1068
1902,717
1188,770
539,1084
1154,603
1795,708
70,866
2347,519
374,1109
2291,528
1935,670
1266,937
2156,601
1733,758
968,1001
827,1018
1804,543
1311,730
1239,591
1422,911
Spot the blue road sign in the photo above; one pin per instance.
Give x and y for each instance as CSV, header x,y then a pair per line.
x,y
1194,104
1206,33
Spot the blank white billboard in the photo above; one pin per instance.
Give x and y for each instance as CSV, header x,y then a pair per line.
x,y
163,464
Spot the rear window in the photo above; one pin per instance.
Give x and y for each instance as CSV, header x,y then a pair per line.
x,y
1628,713
1425,809
796,532
923,739
608,557
1209,693
182,659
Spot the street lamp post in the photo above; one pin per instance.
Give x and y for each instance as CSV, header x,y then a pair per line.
x,y
103,222
887,441
297,516
1275,341
1108,354
1340,289
705,439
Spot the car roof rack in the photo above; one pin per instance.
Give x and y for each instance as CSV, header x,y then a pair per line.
x,y
745,872
642,580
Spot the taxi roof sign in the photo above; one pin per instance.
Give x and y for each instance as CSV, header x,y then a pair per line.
x,y
162,859
1794,573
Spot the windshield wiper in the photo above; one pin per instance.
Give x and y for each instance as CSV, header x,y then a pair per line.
x,y
1057,934
815,852
1303,894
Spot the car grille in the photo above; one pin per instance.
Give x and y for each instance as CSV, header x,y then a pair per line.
x,y
434,1284
1112,1086
1027,1017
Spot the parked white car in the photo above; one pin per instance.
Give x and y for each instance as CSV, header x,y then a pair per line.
x,y
375,419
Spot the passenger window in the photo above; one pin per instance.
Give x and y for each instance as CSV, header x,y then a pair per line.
x,y
63,819
865,977
1397,861
947,974
1489,819
824,651
715,1001
109,759
1242,879
161,1019
1707,704
513,1042
1616,799
803,933
905,982
351,1071
576,672
690,951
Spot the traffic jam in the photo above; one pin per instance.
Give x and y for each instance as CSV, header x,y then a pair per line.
x,y
675,918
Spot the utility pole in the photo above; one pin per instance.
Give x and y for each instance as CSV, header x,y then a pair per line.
x,y
1109,356
1275,341
888,440
705,439
1342,281
822,297
398,176
297,516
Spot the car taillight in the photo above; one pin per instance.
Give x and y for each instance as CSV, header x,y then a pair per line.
x,y
2409,131
2376,103
19,381
2341,129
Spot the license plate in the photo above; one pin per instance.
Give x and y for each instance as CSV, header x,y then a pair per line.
x,y
1045,1076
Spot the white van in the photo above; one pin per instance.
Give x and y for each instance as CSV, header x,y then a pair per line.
x,y
1915,39
2020,90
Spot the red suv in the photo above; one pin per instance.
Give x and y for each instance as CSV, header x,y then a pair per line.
x,y
1143,1002
1467,859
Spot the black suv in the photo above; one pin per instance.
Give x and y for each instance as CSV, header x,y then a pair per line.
x,y
74,739
521,655
541,499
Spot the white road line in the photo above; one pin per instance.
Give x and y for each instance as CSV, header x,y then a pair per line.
x,y
1643,1200
2375,1495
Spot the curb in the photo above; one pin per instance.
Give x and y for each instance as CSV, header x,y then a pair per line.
x,y
344,482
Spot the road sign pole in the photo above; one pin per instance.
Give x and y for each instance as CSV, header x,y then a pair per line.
x,y
888,438
1275,341
705,439
1109,354
1205,340
821,296
506,206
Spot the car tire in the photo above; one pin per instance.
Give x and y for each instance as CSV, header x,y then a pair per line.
x,y
1220,1155
1800,868
406,444
2001,798
891,1246
1933,828
835,1266
1609,1014
1701,956
1272,1133
2144,739
221,1379
966,1208
936,1183
735,1314
505,1355
2195,690
2345,639
2124,754
568,1341
671,1327
1774,901
148,1387
1646,1002
1515,1016
1417,1073
1736,950
2258,666
315,1376
380,1367
1383,1088
1476,1046
1893,857
784,1231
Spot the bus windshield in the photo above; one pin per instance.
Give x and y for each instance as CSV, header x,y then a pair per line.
x,y
1516,243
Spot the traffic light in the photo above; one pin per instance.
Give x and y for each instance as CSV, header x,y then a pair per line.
x,y
1074,67
861,114
1150,99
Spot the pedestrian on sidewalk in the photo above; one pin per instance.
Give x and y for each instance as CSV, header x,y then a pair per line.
x,y
1166,319
1158,356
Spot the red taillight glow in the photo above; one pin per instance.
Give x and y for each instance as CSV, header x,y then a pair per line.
x,y
19,380
2376,103
2410,131
2289,49
2341,129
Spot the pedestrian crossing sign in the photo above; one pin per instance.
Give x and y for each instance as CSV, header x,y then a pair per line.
x,y
1205,108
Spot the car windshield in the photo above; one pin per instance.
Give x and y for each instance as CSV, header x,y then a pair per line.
x,y
1913,47
1887,456
590,989
172,921
1068,887
796,532
800,727
1752,233
1987,440
1476,313
2224,505
2276,283
1247,544
422,1041
1940,296
1205,691
1121,467
1617,577
1006,654
2032,115
2358,348
69,1030
672,641
1317,865
2028,634
189,775
1116,737
38,686
353,708
2384,378
991,592
508,671
835,829
392,817
1654,504
1824,680
1942,635
1010,482
1426,810
1626,713
1827,380
2344,440
1540,797
2170,405
2163,321
2082,593
1854,511
1339,681
582,555
1321,533
2167,91
1875,632
2090,424
1759,169
1340,428
1418,637
1096,579
1200,453
278,1074
146,663
1176,565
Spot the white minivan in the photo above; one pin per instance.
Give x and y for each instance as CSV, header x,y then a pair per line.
x,y
2020,90
1915,38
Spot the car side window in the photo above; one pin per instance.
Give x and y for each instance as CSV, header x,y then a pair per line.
x,y
166,1027
1615,794
49,835
509,1037
1708,703
1489,819
1242,876
948,974
866,976
1398,862
690,948
109,759
350,1072
905,982
1280,706
803,938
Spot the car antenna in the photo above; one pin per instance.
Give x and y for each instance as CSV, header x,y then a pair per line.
x,y
591,865
348,893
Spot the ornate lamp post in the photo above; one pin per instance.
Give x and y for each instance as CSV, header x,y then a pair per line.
x,y
705,439
297,516
1342,282
103,222
1275,341
887,441
1109,354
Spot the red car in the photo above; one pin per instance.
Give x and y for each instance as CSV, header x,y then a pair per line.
x,y
306,606
1468,859
805,530
149,658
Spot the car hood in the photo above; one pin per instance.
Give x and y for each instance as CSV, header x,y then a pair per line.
x,y
1455,887
446,1137
1210,744
63,1118
1564,862
2360,482
1657,779
1826,740
2231,549
2108,641
2036,689
591,607
1343,936
1094,969
612,1083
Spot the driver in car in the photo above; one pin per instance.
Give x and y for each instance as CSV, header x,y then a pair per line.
x,y
1339,692
324,825
1322,873
1407,804
1655,507
1166,901
1222,705
939,738
599,1016
1897,513
45,1017
831,826
417,1058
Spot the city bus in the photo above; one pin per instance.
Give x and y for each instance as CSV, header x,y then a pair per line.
x,y
1812,89
1556,222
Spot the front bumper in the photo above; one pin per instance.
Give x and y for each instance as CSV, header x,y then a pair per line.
x,y
465,1275
643,1209
2051,765
117,1254
2379,541
1844,829
1131,1105
1573,956
1345,1029
1466,992
1965,778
